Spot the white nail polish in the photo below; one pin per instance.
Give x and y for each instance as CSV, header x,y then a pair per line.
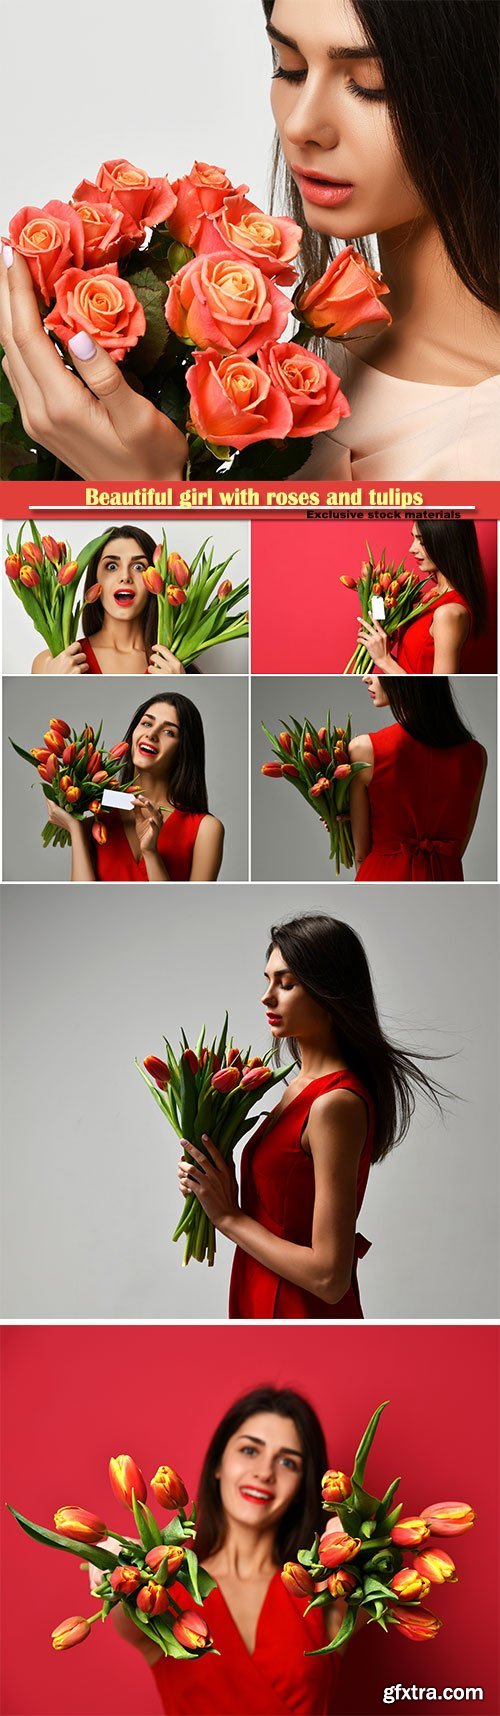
x,y
8,255
82,346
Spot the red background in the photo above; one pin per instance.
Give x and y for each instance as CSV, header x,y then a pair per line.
x,y
73,1396
303,618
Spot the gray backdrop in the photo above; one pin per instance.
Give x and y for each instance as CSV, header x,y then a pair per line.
x,y
27,707
90,1194
287,836
21,643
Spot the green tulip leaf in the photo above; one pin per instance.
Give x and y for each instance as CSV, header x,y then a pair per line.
x,y
103,1558
364,1447
344,1633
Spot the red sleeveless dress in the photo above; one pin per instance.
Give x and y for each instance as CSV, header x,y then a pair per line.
x,y
415,646
277,1190
276,1680
115,861
420,806
91,658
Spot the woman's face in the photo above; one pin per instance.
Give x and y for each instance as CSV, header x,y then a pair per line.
x,y
120,569
290,1010
261,1470
156,739
375,687
333,122
426,567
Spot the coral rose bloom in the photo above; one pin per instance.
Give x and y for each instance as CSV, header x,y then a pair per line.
x,y
233,403
49,239
102,304
216,301
103,237
347,296
311,387
201,192
145,201
242,229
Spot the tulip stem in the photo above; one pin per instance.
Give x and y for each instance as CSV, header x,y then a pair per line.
x,y
125,1540
91,1618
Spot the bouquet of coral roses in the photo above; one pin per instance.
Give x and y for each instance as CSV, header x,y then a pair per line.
x,y
45,578
139,1575
183,284
207,1092
364,1563
75,770
399,595
316,761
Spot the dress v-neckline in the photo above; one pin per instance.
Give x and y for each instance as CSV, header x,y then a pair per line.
x,y
138,861
251,1653
270,1124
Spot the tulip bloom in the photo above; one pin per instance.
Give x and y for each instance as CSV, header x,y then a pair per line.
x,y
59,726
191,1060
254,1077
226,1080
335,1487
297,1580
49,770
118,751
350,583
153,580
168,1488
32,554
54,742
341,1583
65,781
191,1631
273,770
290,772
93,594
410,1531
224,590
67,573
157,1070
29,577
321,786
70,1632
76,1523
416,1624
335,1547
178,569
170,1552
342,772
13,565
73,794
68,756
436,1566
410,1586
42,756
124,1477
124,1581
51,549
152,1599
99,832
448,1519
175,596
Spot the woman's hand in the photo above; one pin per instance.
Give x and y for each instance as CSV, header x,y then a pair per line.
x,y
148,823
371,634
96,1574
70,660
212,1179
163,661
63,818
101,430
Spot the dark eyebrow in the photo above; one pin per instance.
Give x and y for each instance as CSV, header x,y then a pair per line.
x,y
363,53
283,971
261,1444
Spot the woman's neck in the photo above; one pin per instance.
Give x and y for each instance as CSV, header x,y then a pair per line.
x,y
154,787
247,1553
317,1060
123,636
440,333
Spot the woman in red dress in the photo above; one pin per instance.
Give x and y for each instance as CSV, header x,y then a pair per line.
x,y
123,621
168,834
258,1505
304,1173
415,804
447,555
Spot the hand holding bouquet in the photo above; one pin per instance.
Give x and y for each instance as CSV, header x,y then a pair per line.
x,y
400,593
207,1091
75,770
364,1564
194,602
141,1575
316,761
44,576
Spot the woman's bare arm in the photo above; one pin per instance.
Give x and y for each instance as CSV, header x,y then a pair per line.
x,y
361,751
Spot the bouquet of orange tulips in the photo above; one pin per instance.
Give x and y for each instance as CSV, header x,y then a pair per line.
x,y
207,1091
139,1575
45,577
316,761
364,1564
401,594
194,602
75,770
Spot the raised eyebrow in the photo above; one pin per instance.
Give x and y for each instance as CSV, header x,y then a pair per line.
x,y
362,53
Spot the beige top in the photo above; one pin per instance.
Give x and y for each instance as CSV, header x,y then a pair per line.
x,y
408,430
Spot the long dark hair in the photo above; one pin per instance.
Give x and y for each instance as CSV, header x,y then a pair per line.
x,y
453,547
93,612
439,60
427,710
329,960
303,1518
187,786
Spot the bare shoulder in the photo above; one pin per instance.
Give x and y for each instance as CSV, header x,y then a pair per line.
x,y
210,828
451,621
361,749
341,1112
41,661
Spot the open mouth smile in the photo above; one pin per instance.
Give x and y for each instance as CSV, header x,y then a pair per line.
x,y
146,749
253,1494
124,598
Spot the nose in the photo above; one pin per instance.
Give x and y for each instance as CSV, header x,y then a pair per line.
x,y
312,120
267,998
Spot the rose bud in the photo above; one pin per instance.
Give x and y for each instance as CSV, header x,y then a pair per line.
x,y
157,1070
118,751
335,1547
168,1488
341,1583
51,549
69,754
171,1552
125,1476
13,565
448,1519
273,770
65,781
70,1632
175,596
99,832
93,595
342,772
321,786
416,1624
297,1580
67,573
290,772
350,583
73,794
335,1487
436,1566
191,1631
124,1581
42,756
409,1586
191,1060
410,1531
285,740
153,580
226,1080
224,590
254,1077
178,569
152,1599
76,1523
32,554
29,577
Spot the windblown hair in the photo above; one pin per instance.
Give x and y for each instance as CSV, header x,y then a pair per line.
x,y
187,785
304,1516
440,65
327,957
453,547
427,710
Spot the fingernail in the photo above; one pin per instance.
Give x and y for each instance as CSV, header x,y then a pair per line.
x,y
205,1137
8,255
82,346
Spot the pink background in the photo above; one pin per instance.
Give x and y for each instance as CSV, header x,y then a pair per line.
x,y
73,1396
303,618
